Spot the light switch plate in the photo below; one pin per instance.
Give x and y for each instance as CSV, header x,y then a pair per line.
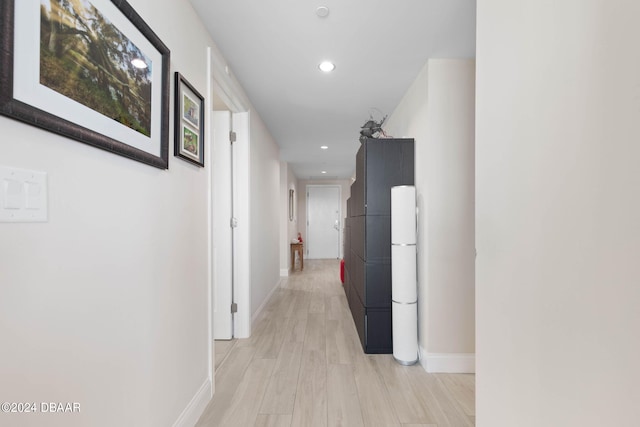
x,y
23,195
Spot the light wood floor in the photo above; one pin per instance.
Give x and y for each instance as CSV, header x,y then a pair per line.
x,y
304,366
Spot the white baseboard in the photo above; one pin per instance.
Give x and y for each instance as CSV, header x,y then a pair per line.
x,y
284,272
449,363
191,414
264,303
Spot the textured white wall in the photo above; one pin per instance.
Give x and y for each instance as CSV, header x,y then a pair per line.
x,y
265,213
438,111
288,229
292,229
558,113
106,304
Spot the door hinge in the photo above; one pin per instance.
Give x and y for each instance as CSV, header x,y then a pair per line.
x,y
234,307
232,137
233,223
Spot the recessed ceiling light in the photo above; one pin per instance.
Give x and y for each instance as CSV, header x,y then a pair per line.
x,y
324,171
322,11
324,147
327,66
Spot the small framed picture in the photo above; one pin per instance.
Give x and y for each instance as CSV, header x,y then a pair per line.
x,y
189,122
190,142
191,110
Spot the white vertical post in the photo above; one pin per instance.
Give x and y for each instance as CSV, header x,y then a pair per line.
x,y
404,305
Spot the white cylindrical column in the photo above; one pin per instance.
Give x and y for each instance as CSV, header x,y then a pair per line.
x,y
404,287
404,318
403,215
404,307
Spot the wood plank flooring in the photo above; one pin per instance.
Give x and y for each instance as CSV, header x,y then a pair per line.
x,y
304,366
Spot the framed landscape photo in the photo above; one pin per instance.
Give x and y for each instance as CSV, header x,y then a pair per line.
x,y
189,122
90,70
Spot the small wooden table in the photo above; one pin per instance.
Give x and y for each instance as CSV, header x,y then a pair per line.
x,y
297,247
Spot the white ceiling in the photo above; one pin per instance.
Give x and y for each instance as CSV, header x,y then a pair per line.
x,y
274,47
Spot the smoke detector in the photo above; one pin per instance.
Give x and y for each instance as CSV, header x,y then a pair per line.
x,y
322,11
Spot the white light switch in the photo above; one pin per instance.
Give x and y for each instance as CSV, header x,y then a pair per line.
x,y
13,194
34,195
23,195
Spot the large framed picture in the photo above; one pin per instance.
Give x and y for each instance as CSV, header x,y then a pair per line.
x,y
189,122
91,70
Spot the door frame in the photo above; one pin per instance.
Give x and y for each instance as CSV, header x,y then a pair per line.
x,y
222,233
340,217
222,83
241,123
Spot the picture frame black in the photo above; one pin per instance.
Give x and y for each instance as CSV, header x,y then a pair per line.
x,y
137,125
189,122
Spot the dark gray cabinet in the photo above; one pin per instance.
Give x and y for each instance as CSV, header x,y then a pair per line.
x,y
380,165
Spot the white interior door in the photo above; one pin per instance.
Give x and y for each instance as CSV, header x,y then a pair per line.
x,y
241,241
222,236
323,222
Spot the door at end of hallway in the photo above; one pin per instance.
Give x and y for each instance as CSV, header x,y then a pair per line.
x,y
323,221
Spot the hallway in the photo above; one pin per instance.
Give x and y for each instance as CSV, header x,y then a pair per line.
x,y
304,366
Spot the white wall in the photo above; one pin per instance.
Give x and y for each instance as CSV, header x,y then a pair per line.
x,y
438,111
558,109
288,228
265,213
106,303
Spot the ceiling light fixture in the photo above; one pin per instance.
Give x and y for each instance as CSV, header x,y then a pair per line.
x,y
324,171
324,147
327,66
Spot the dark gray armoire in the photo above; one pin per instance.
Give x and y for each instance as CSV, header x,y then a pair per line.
x,y
380,165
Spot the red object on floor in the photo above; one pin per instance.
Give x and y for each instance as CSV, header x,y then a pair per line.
x,y
342,271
